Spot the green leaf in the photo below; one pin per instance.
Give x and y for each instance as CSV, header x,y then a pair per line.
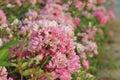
x,y
4,63
65,1
9,44
45,61
4,53
40,71
92,68
28,72
49,75
24,64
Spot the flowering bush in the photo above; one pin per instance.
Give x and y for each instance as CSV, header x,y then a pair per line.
x,y
50,39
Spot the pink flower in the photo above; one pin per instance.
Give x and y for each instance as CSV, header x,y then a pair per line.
x,y
58,60
10,78
54,42
101,1
103,20
78,4
88,75
73,63
101,17
81,50
3,19
111,14
69,21
18,2
85,64
62,74
52,11
32,15
77,21
1,42
3,73
53,36
91,48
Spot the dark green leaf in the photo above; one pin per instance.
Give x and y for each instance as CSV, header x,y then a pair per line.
x,y
4,63
65,1
4,53
9,44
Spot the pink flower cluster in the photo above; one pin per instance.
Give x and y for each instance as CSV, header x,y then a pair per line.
x,y
78,4
101,17
53,11
55,43
88,46
47,17
47,35
88,40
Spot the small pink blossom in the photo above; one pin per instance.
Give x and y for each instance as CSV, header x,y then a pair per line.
x,y
103,20
111,14
62,74
60,61
78,4
77,21
18,2
3,73
1,42
101,17
73,63
101,1
10,78
88,75
52,11
91,48
3,18
85,64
